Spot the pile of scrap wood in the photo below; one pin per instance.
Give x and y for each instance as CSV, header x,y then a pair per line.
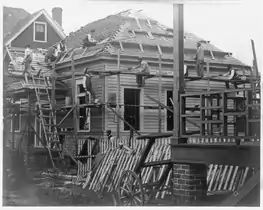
x,y
226,178
107,173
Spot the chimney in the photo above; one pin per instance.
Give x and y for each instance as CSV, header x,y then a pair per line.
x,y
57,15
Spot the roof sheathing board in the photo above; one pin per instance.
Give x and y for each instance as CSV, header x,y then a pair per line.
x,y
125,26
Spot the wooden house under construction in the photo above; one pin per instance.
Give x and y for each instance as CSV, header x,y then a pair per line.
x,y
123,38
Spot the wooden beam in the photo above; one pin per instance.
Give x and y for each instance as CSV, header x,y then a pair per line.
x,y
118,95
160,95
255,63
240,194
73,94
178,57
248,155
63,119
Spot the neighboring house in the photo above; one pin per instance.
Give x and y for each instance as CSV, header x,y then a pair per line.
x,y
134,35
39,30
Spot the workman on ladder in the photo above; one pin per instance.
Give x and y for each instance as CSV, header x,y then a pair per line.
x,y
142,67
27,61
199,58
87,84
89,41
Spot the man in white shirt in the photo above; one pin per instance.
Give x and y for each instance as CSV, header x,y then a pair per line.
x,y
61,49
199,58
89,41
27,59
142,67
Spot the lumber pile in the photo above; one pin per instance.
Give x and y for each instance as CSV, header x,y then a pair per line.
x,y
106,176
226,178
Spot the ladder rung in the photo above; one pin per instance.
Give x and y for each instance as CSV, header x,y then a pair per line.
x,y
44,102
42,94
45,116
56,150
50,125
46,109
58,158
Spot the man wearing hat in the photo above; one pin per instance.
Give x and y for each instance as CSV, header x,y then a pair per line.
x,y
27,59
199,58
142,67
87,84
89,41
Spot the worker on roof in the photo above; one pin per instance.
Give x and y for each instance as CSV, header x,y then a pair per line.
x,y
89,41
50,56
232,75
27,59
199,58
87,84
60,50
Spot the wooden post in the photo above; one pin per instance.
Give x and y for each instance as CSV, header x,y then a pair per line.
x,y
118,96
28,126
209,100
255,63
13,125
73,83
160,94
178,56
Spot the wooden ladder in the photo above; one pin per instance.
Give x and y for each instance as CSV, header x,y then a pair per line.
x,y
47,118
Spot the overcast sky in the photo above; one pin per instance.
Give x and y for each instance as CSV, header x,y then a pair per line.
x,y
228,26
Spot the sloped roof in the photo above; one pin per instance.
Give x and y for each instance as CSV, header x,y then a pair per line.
x,y
134,28
11,17
16,55
22,24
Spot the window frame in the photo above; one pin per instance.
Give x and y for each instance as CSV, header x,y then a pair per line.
x,y
34,31
141,110
165,111
77,95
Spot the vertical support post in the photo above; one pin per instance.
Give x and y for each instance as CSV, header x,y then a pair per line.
x,y
73,83
209,100
13,125
255,63
118,95
160,95
53,94
29,140
178,56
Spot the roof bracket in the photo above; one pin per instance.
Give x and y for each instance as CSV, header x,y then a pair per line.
x,y
141,47
122,49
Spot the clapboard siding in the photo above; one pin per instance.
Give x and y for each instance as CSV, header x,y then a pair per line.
x,y
150,116
97,125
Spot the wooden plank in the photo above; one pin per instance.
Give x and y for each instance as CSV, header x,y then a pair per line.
x,y
236,197
160,94
118,96
216,154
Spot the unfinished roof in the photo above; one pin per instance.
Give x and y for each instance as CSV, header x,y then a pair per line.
x,y
17,56
138,35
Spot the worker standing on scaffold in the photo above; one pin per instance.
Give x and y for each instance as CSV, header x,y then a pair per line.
x,y
27,61
144,68
199,58
87,84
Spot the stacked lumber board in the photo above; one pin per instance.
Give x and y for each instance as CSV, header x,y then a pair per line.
x,y
226,178
115,161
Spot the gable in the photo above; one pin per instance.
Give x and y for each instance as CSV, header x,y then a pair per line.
x,y
27,36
